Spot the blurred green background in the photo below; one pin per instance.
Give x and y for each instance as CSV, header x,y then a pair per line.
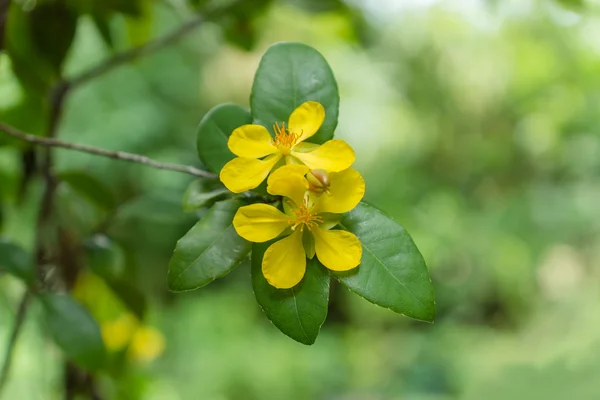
x,y
475,125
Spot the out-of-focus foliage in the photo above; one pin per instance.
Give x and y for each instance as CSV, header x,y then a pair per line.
x,y
475,125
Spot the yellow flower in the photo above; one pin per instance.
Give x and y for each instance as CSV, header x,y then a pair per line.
x,y
143,343
253,142
284,262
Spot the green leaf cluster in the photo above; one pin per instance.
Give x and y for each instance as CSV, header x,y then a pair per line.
x,y
392,273
72,327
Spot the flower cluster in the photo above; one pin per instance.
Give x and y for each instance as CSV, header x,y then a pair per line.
x,y
317,186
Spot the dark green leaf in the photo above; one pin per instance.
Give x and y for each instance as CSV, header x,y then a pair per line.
x,y
52,31
198,3
107,260
128,7
32,69
576,5
3,11
16,261
19,115
392,272
319,6
74,330
210,250
203,193
241,33
130,295
90,188
214,131
300,311
139,27
103,27
290,74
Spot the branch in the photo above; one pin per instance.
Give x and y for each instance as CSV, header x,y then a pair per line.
x,y
56,100
117,155
19,319
130,55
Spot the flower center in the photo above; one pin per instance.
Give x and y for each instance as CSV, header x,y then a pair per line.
x,y
304,216
284,139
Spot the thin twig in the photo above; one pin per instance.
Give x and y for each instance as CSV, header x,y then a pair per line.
x,y
117,155
19,319
130,55
56,99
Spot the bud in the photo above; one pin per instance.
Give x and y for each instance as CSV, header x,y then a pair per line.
x,y
318,180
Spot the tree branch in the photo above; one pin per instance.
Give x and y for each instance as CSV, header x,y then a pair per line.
x,y
117,155
129,55
57,98
19,319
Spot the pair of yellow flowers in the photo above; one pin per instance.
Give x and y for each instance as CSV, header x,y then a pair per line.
x,y
317,184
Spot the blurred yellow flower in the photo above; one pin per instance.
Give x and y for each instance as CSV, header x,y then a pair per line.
x,y
143,343
284,262
253,142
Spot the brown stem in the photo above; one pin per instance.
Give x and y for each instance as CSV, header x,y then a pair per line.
x,y
117,155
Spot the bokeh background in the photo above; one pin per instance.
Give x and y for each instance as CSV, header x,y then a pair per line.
x,y
475,125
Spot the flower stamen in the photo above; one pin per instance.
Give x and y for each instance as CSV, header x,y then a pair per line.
x,y
304,217
284,139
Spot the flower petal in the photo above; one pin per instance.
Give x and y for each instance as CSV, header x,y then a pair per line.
x,y
346,190
284,262
259,222
289,181
251,141
306,119
241,174
337,250
332,156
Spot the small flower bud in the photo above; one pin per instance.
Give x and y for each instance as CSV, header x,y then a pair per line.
x,y
318,180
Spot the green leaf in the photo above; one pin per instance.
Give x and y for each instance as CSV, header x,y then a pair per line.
x,y
102,25
16,261
127,7
290,74
107,260
20,115
241,33
202,193
89,187
210,250
3,11
576,5
240,23
52,31
130,296
139,27
300,311
33,70
214,131
319,6
74,330
392,272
